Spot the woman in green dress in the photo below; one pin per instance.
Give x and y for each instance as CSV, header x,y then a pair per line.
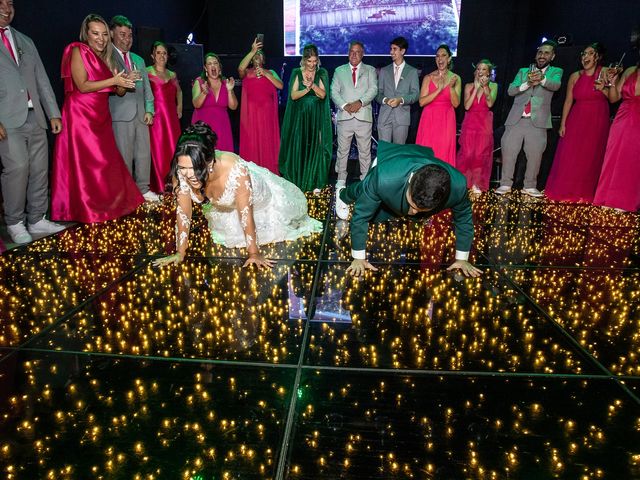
x,y
306,141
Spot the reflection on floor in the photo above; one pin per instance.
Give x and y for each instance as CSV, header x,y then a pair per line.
x,y
110,368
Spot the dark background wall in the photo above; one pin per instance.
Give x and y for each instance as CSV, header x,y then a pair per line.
x,y
506,31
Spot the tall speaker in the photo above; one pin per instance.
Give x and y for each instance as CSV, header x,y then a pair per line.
x,y
145,38
186,61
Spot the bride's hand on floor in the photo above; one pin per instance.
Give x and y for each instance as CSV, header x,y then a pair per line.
x,y
258,260
169,260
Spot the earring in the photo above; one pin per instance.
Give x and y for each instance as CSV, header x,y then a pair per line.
x,y
211,167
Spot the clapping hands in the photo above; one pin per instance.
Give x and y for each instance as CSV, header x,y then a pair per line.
x,y
535,78
307,81
121,79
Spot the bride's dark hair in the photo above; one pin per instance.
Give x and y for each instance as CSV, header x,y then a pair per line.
x,y
197,142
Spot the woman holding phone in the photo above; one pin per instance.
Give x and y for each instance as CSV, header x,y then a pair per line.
x,y
259,128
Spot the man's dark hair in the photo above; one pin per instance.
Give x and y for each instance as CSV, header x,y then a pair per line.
x,y
430,187
553,44
401,43
120,21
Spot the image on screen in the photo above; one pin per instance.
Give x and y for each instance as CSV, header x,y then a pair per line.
x,y
332,24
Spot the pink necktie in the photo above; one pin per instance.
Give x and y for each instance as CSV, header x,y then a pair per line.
x,y
127,63
353,74
7,43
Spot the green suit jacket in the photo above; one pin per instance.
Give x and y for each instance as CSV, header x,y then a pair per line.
x,y
381,195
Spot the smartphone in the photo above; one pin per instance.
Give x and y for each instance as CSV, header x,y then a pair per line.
x,y
260,37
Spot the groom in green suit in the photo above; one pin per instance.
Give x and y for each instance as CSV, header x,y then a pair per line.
x,y
407,180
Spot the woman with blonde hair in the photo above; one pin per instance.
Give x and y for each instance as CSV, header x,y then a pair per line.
x,y
90,181
306,142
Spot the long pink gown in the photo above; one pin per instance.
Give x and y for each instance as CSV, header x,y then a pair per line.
x,y
214,112
259,128
437,127
619,184
165,131
90,181
579,155
475,157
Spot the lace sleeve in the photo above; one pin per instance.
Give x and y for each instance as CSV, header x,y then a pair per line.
x,y
183,216
244,204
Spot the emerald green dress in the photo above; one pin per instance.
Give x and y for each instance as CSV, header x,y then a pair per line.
x,y
306,140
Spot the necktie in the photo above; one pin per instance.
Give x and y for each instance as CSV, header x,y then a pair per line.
x,y
7,43
396,74
527,108
353,74
127,63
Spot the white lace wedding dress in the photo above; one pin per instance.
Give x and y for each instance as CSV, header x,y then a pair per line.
x,y
279,209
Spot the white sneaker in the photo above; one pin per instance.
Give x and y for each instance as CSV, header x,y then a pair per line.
x,y
151,197
44,226
503,189
19,234
342,209
533,192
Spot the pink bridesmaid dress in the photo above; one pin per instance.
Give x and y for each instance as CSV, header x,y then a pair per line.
x,y
259,128
619,184
437,127
214,112
579,155
475,158
165,130
89,181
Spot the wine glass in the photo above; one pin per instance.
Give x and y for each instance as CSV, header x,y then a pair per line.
x,y
617,69
602,78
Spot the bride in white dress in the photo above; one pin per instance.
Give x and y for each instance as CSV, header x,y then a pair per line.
x,y
245,205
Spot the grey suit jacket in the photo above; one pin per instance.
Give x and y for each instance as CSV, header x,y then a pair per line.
x,y
343,91
17,82
539,95
132,104
408,89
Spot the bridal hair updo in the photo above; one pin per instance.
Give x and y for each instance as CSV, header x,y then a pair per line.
x,y
198,142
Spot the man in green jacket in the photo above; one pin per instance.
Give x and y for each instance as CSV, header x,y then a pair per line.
x,y
407,180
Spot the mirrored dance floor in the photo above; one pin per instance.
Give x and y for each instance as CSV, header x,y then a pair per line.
x,y
113,369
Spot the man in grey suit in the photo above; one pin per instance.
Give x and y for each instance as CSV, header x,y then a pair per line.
x,y
398,88
25,97
353,88
529,118
133,112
